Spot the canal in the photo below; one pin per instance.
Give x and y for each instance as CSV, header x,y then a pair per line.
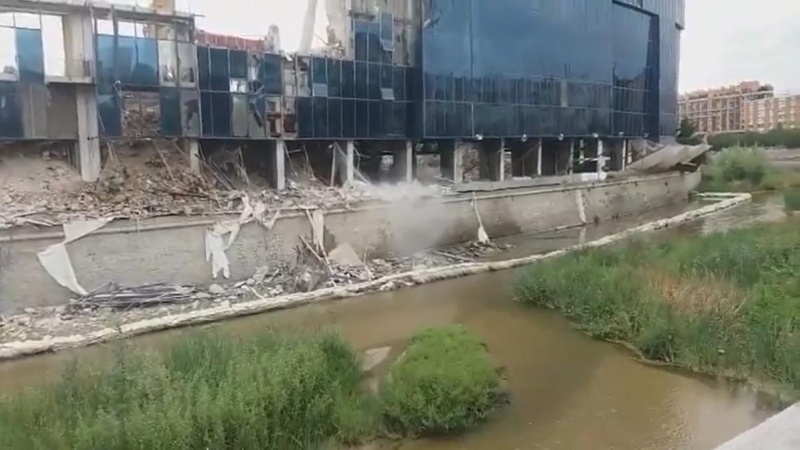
x,y
568,391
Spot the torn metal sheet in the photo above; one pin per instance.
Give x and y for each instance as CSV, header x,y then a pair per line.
x,y
55,259
221,236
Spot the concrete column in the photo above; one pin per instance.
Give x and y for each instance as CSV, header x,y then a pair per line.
x,y
625,161
78,45
403,164
192,148
571,167
277,165
451,160
492,161
539,145
345,162
601,160
88,146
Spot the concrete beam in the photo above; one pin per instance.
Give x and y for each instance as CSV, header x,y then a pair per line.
x,y
277,165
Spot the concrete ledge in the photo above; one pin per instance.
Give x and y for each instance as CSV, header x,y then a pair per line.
x,y
781,432
27,348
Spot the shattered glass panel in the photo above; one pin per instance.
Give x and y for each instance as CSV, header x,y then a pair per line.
x,y
187,64
256,117
238,64
171,112
240,120
104,27
304,77
387,31
238,85
168,63
8,54
190,112
274,115
290,115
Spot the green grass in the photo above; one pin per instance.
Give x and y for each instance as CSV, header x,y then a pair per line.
x,y
725,304
792,200
736,169
444,383
207,392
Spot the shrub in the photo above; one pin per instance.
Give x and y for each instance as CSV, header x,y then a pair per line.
x,y
444,383
207,391
736,168
792,200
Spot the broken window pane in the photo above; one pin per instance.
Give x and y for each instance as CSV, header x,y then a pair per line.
x,y
125,29
290,115
190,112
255,117
241,109
187,65
387,31
53,40
8,54
108,112
146,72
238,85
238,61
26,20
253,67
105,27
272,74
303,77
167,63
141,115
170,112
34,109
274,116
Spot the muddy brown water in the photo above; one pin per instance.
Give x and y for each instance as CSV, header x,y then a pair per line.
x,y
568,391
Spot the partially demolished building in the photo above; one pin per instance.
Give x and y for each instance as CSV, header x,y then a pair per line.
x,y
564,86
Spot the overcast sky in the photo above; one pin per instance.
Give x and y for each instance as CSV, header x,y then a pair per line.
x,y
725,41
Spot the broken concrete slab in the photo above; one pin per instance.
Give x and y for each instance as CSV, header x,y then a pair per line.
x,y
374,357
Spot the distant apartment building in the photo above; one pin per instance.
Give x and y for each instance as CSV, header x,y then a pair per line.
x,y
773,112
722,110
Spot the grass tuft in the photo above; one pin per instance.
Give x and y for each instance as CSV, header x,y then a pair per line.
x,y
444,383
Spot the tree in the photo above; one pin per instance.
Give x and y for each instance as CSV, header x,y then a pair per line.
x,y
687,129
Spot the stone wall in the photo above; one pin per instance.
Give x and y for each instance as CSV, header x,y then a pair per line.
x,y
173,249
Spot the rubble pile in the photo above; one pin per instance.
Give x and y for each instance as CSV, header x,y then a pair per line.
x,y
113,305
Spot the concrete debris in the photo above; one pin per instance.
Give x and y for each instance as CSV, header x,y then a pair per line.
x,y
215,289
346,256
374,357
116,297
153,179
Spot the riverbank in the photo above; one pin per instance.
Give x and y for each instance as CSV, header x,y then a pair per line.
x,y
747,169
268,390
104,331
724,304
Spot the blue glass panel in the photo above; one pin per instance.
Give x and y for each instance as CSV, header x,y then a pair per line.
x,y
221,113
220,75
207,113
31,55
203,67
374,81
362,80
334,118
145,72
375,119
170,112
399,83
334,78
238,64
348,79
10,111
105,64
273,83
362,118
348,118
375,49
320,106
305,117
361,31
109,115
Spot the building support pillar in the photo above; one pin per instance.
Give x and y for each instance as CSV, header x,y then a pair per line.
x,y
451,160
571,164
601,160
625,155
345,157
88,146
277,165
492,160
192,148
403,162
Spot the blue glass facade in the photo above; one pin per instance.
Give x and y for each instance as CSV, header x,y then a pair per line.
x,y
491,68
550,67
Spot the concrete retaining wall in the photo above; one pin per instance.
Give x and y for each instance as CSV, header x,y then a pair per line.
x,y
173,249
